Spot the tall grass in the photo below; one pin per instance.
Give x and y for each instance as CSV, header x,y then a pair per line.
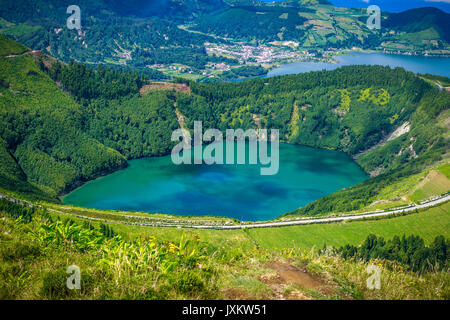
x,y
35,254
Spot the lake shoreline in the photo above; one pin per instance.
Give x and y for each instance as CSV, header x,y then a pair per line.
x,y
156,185
413,63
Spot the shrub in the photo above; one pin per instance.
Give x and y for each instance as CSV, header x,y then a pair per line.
x,y
54,285
189,282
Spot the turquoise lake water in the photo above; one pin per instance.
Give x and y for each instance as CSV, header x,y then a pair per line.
x,y
239,191
417,64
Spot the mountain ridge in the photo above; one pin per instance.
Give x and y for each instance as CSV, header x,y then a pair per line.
x,y
141,40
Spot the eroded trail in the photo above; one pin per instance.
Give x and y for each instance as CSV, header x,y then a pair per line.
x,y
289,282
296,276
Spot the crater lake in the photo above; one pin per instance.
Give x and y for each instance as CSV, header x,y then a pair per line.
x,y
156,185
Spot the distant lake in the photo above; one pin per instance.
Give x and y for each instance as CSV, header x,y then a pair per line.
x,y
239,191
416,64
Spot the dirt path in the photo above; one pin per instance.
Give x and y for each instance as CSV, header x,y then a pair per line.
x,y
288,281
21,54
293,122
296,276
161,85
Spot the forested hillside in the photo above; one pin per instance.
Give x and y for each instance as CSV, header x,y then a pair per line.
x,y
347,109
52,142
143,35
114,112
110,33
40,126
63,124
419,20
325,26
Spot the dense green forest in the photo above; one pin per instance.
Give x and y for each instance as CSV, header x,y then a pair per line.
x,y
52,142
108,35
154,42
85,83
143,35
115,113
244,72
346,109
248,23
41,128
417,20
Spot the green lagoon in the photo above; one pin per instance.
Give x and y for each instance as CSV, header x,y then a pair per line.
x,y
157,185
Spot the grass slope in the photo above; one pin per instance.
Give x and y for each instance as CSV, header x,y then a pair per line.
x,y
9,46
427,224
34,256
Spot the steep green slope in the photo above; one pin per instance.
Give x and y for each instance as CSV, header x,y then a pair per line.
x,y
10,46
40,127
424,133
426,144
417,20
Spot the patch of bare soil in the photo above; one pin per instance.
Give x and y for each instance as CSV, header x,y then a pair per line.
x,y
294,275
47,60
286,275
182,87
237,294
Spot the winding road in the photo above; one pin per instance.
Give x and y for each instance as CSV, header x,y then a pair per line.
x,y
333,219
273,224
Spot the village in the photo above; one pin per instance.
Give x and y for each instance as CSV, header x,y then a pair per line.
x,y
265,55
